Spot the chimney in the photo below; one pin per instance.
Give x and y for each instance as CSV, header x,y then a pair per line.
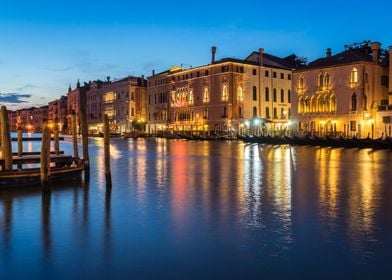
x,y
329,52
261,56
376,51
213,51
153,72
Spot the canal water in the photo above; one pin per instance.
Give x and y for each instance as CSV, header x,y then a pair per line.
x,y
206,210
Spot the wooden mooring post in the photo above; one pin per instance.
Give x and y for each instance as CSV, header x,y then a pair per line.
x,y
56,139
6,147
45,158
106,144
74,136
20,144
84,130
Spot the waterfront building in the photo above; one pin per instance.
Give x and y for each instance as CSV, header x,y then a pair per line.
x,y
230,95
57,112
124,102
75,98
346,94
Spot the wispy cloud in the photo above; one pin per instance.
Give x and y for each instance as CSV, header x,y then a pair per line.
x,y
26,87
14,98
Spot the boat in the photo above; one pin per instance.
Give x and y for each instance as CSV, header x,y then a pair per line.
x,y
32,176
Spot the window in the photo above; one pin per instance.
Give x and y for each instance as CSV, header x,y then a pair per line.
x,y
282,75
301,105
267,113
333,103
300,86
282,113
225,96
274,74
275,97
321,81
266,73
206,73
240,95
225,68
224,112
190,97
267,94
275,113
240,112
326,81
289,96
132,111
254,93
205,114
365,102
353,126
354,102
320,104
254,72
289,77
354,77
197,74
282,96
206,97
255,112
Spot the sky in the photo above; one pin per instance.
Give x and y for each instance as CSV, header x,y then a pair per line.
x,y
45,46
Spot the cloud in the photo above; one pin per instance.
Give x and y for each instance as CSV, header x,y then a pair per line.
x,y
26,87
14,98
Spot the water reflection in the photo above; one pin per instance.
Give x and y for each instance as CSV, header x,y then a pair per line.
x,y
233,208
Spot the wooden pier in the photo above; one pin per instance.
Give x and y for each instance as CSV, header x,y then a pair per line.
x,y
48,166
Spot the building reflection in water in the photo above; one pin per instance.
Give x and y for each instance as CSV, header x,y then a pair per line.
x,y
6,223
139,168
327,164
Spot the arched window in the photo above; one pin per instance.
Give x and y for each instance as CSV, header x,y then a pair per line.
x,y
354,102
267,94
301,105
275,97
282,96
321,81
240,94
206,95
225,95
254,93
354,77
289,96
275,113
307,104
313,104
300,86
255,112
326,81
333,103
240,112
282,113
267,113
320,104
327,107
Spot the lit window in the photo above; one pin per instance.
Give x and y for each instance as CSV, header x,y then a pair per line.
x,y
240,94
354,77
321,81
333,103
206,96
326,81
190,97
225,95
300,88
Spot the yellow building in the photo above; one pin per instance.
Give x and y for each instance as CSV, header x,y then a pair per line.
x,y
229,95
342,94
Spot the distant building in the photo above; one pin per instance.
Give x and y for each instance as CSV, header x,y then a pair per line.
x,y
57,112
253,94
124,102
342,94
75,98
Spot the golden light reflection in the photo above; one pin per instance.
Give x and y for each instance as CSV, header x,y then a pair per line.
x,y
328,164
140,149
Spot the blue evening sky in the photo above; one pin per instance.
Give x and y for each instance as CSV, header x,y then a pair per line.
x,y
46,45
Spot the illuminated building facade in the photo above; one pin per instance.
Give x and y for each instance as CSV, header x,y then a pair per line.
x,y
124,101
57,112
226,95
343,94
